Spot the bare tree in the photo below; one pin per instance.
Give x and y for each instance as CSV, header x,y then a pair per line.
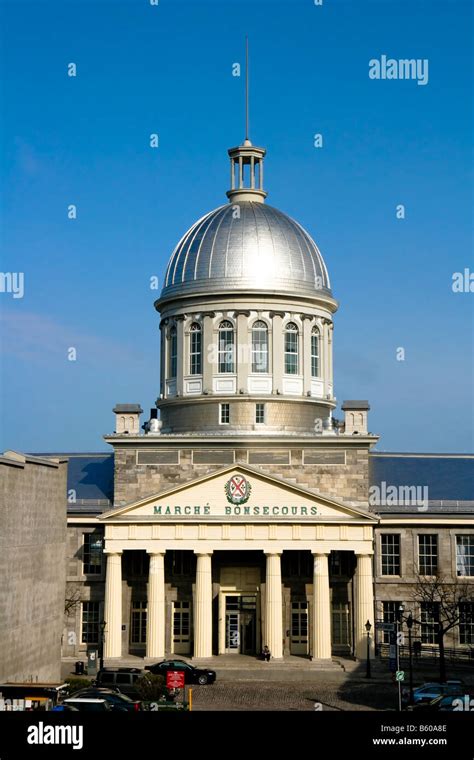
x,y
443,599
73,598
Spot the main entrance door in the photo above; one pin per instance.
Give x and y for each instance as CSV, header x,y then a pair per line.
x,y
240,624
299,628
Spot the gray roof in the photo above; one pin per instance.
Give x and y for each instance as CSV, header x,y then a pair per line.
x,y
261,250
131,408
355,405
449,479
445,480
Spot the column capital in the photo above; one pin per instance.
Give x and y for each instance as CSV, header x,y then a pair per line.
x,y
272,554
156,552
200,553
319,553
369,553
112,552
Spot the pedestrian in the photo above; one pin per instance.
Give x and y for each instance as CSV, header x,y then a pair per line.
x,y
266,654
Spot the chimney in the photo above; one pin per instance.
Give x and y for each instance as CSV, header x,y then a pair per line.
x,y
355,417
127,419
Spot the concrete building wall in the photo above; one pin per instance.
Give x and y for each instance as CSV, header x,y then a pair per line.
x,y
32,566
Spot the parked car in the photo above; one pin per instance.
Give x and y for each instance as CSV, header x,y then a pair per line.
x,y
429,691
121,679
191,674
88,704
118,701
452,702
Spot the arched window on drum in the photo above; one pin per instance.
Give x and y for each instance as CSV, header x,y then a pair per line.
x,y
259,346
291,349
173,356
195,349
226,347
315,356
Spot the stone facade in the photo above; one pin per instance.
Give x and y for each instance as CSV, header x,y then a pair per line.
x,y
299,417
403,588
32,566
342,472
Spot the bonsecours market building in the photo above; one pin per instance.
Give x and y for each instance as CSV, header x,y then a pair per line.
x,y
239,516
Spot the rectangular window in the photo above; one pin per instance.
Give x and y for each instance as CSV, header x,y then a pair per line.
x,y
466,623
429,622
390,545
224,414
181,622
260,414
138,626
428,553
389,616
465,555
92,554
90,622
341,624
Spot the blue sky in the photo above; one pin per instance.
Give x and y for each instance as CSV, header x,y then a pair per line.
x,y
167,69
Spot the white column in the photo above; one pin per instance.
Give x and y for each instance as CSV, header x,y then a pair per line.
x,y
321,608
155,625
113,606
364,603
203,607
209,343
330,360
244,355
277,359
274,607
325,357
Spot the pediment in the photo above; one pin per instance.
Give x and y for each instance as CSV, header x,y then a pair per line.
x,y
242,493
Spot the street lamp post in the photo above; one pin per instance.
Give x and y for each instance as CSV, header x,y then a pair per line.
x,y
410,626
398,630
367,628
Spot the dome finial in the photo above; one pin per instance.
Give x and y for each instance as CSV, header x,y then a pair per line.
x,y
247,141
246,183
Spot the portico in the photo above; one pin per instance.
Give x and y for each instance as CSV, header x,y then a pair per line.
x,y
243,592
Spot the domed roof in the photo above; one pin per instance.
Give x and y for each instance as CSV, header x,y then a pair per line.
x,y
262,249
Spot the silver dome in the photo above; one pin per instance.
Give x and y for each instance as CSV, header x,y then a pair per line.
x,y
262,250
